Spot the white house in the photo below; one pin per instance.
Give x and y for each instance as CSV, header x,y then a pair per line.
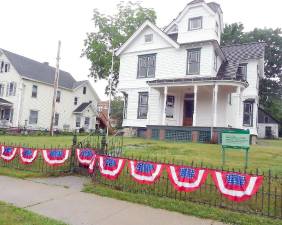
x,y
179,81
26,95
267,126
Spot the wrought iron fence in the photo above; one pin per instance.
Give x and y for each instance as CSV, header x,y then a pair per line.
x,y
266,202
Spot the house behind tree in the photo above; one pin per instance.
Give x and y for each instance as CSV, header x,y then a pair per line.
x,y
26,95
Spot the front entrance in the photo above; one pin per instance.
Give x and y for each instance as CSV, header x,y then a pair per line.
x,y
188,110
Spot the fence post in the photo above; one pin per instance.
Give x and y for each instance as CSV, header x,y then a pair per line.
x,y
73,147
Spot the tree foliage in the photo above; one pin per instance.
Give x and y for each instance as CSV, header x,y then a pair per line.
x,y
271,86
110,33
117,110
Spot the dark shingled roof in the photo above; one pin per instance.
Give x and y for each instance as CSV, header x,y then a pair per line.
x,y
82,107
214,6
195,2
3,101
39,71
238,53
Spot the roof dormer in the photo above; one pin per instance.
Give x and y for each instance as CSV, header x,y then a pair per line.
x,y
198,21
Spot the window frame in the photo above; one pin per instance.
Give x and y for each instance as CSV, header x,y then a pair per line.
x,y
216,28
75,100
125,105
2,89
191,20
244,76
188,63
153,55
58,96
250,114
32,91
84,90
36,119
13,91
142,105
78,121
56,119
87,124
266,119
150,36
215,63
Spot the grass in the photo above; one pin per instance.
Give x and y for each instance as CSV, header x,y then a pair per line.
x,y
184,207
16,216
267,154
11,172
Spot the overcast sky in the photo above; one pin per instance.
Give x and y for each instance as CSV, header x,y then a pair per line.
x,y
33,27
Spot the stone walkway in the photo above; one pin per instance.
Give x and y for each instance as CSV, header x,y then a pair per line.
x,y
61,198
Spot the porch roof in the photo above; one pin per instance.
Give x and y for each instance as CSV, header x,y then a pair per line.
x,y
82,107
196,80
5,102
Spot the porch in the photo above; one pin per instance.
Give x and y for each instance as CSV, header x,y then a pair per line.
x,y
6,113
192,103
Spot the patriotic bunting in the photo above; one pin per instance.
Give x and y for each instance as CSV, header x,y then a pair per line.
x,y
92,164
84,156
186,178
236,186
145,172
27,155
110,167
55,157
8,153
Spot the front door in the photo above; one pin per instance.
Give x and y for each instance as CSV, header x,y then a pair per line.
x,y
188,110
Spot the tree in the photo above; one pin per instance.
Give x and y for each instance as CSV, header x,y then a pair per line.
x,y
271,87
117,110
111,32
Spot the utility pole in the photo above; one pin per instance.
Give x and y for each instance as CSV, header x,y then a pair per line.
x,y
110,92
56,83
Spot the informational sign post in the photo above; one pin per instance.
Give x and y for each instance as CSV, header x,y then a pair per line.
x,y
236,139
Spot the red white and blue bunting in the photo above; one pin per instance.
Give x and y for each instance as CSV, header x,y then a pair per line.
x,y
185,178
8,153
92,164
55,157
145,172
27,155
110,167
85,155
236,186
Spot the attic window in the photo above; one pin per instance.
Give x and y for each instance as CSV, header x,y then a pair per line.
x,y
242,71
195,23
148,38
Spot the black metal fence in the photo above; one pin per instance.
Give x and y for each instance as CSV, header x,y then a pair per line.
x,y
266,202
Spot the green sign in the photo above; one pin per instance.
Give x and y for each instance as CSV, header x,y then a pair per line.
x,y
235,139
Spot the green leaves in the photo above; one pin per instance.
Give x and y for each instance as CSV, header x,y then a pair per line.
x,y
111,32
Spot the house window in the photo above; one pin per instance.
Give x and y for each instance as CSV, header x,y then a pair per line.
x,y
77,121
193,61
7,67
58,96
143,105
195,23
34,91
248,114
11,89
148,38
242,71
266,119
268,132
33,117
169,106
230,99
56,119
146,66
2,86
75,100
1,66
84,90
87,121
216,28
215,61
125,106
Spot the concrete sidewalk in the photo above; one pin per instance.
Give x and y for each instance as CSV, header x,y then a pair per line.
x,y
61,199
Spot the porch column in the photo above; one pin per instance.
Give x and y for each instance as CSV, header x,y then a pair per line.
x,y
215,91
239,110
195,105
148,112
164,106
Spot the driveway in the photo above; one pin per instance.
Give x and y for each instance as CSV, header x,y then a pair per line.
x,y
61,198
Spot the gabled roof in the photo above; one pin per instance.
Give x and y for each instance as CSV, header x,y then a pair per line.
x,y
34,70
5,102
147,23
82,107
238,53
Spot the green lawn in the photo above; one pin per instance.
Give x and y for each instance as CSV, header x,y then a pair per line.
x,y
267,154
11,215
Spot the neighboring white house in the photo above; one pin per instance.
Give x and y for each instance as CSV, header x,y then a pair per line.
x,y
26,95
267,126
180,77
